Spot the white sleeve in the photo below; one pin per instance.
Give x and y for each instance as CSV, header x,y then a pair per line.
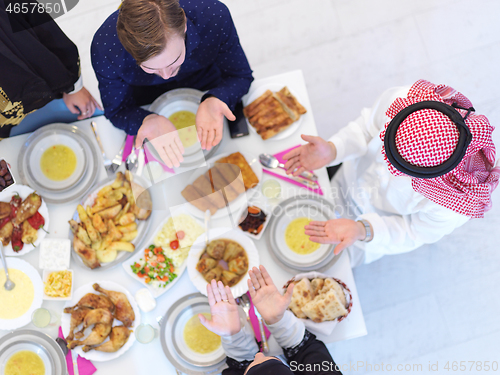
x,y
289,331
402,233
352,141
241,346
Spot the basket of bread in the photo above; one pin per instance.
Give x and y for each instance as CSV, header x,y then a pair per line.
x,y
321,301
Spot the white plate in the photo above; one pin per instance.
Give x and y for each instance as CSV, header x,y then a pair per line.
x,y
180,344
236,205
266,223
142,225
286,253
40,350
42,146
257,91
66,318
38,342
156,292
24,192
36,280
199,247
92,163
45,276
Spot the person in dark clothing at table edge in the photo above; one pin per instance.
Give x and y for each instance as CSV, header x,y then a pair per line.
x,y
305,354
148,47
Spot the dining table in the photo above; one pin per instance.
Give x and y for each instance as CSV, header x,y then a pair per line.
x,y
150,358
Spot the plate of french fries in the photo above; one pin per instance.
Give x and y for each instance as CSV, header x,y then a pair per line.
x,y
110,224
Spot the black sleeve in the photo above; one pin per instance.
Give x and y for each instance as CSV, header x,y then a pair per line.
x,y
235,367
310,357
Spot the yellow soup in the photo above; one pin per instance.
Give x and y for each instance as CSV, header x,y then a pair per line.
x,y
296,239
58,162
25,362
185,122
198,338
17,301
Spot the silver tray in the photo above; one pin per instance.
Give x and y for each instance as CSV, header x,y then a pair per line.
x,y
192,98
319,208
142,228
77,189
171,349
36,341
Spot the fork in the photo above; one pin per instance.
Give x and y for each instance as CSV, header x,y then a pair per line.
x,y
108,165
117,161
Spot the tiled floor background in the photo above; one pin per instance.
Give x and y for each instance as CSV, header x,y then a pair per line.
x,y
441,302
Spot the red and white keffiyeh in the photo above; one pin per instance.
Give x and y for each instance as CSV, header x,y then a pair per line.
x,y
427,138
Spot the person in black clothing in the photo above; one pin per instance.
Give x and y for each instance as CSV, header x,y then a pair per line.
x,y
303,352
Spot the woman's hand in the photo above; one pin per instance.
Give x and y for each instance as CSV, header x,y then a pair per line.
x,y
81,102
265,296
340,232
313,155
210,120
164,137
225,320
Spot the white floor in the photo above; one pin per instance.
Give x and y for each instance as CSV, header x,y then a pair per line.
x,y
440,303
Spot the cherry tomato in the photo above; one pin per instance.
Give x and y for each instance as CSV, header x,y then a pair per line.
x,y
160,258
180,235
158,250
164,278
174,245
140,274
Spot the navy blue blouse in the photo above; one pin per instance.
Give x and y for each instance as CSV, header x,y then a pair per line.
x,y
214,61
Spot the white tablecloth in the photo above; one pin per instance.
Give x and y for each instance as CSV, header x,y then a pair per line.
x,y
149,358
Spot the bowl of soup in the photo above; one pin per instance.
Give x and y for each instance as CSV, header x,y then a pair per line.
x,y
58,162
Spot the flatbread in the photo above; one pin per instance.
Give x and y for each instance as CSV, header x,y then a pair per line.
x,y
324,307
317,285
332,284
302,294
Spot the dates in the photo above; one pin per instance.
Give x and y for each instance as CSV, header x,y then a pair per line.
x,y
254,221
5,176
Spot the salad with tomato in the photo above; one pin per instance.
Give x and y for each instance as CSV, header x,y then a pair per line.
x,y
155,268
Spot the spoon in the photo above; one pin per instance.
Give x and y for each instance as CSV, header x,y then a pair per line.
x,y
64,346
9,285
270,161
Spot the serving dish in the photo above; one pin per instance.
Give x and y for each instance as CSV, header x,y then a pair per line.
x,y
236,205
24,192
222,233
45,276
257,90
85,175
77,295
156,291
142,225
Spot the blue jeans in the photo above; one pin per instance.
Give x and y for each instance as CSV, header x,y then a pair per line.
x,y
55,111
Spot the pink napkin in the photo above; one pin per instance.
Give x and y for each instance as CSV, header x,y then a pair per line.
x,y
279,156
129,143
255,321
85,367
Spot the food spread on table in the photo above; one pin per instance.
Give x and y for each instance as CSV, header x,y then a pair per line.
x,y
16,302
20,221
221,183
297,240
254,220
223,260
108,225
319,299
198,338
58,284
273,112
6,179
185,121
58,162
99,311
24,362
